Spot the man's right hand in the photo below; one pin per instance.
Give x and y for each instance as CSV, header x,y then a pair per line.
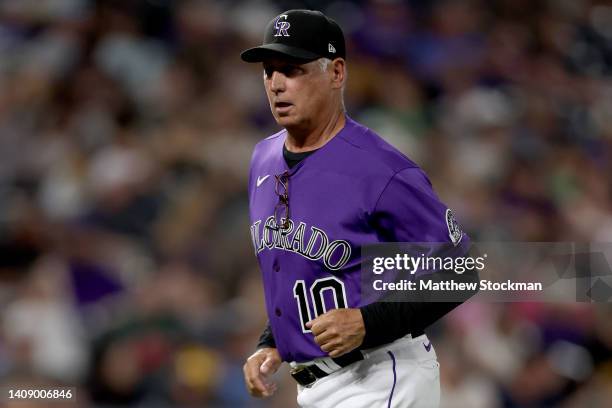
x,y
257,370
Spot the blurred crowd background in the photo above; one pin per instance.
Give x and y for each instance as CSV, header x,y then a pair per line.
x,y
126,128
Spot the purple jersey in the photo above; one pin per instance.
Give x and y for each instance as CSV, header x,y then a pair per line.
x,y
354,191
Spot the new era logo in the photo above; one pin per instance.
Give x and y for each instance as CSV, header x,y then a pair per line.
x,y
331,48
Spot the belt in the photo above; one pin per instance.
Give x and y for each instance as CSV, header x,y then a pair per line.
x,y
307,374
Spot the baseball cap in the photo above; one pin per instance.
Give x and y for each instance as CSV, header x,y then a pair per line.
x,y
303,35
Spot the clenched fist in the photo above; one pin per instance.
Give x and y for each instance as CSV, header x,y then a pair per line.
x,y
257,370
338,331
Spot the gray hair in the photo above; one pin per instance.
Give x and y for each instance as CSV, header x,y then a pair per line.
x,y
324,64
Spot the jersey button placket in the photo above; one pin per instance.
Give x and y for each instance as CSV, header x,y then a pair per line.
x,y
278,312
275,266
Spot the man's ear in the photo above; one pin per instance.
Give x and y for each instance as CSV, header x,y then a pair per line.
x,y
338,67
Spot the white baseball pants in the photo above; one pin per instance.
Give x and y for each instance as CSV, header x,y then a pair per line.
x,y
401,374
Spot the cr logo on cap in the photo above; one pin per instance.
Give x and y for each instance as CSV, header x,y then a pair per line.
x,y
281,26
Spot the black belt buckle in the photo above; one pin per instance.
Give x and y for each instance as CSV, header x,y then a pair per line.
x,y
303,376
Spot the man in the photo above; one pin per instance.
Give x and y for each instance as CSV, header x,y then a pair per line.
x,y
319,190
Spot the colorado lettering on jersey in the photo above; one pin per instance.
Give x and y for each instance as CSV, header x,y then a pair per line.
x,y
334,254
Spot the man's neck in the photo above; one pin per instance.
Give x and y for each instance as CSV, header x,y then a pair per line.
x,y
299,141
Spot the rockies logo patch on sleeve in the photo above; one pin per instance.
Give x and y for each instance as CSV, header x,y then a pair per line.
x,y
454,231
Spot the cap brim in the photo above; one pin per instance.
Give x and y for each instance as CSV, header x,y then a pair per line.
x,y
269,51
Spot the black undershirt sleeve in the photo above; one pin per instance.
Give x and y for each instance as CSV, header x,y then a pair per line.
x,y
387,321
266,340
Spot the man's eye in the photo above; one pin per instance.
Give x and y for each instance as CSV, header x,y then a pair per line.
x,y
290,71
287,71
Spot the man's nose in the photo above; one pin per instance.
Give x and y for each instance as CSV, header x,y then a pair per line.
x,y
277,82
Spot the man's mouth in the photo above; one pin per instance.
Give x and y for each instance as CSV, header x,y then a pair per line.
x,y
282,107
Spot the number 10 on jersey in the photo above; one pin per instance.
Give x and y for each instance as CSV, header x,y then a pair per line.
x,y
317,290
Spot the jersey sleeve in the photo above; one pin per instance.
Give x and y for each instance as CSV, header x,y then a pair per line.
x,y
408,210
